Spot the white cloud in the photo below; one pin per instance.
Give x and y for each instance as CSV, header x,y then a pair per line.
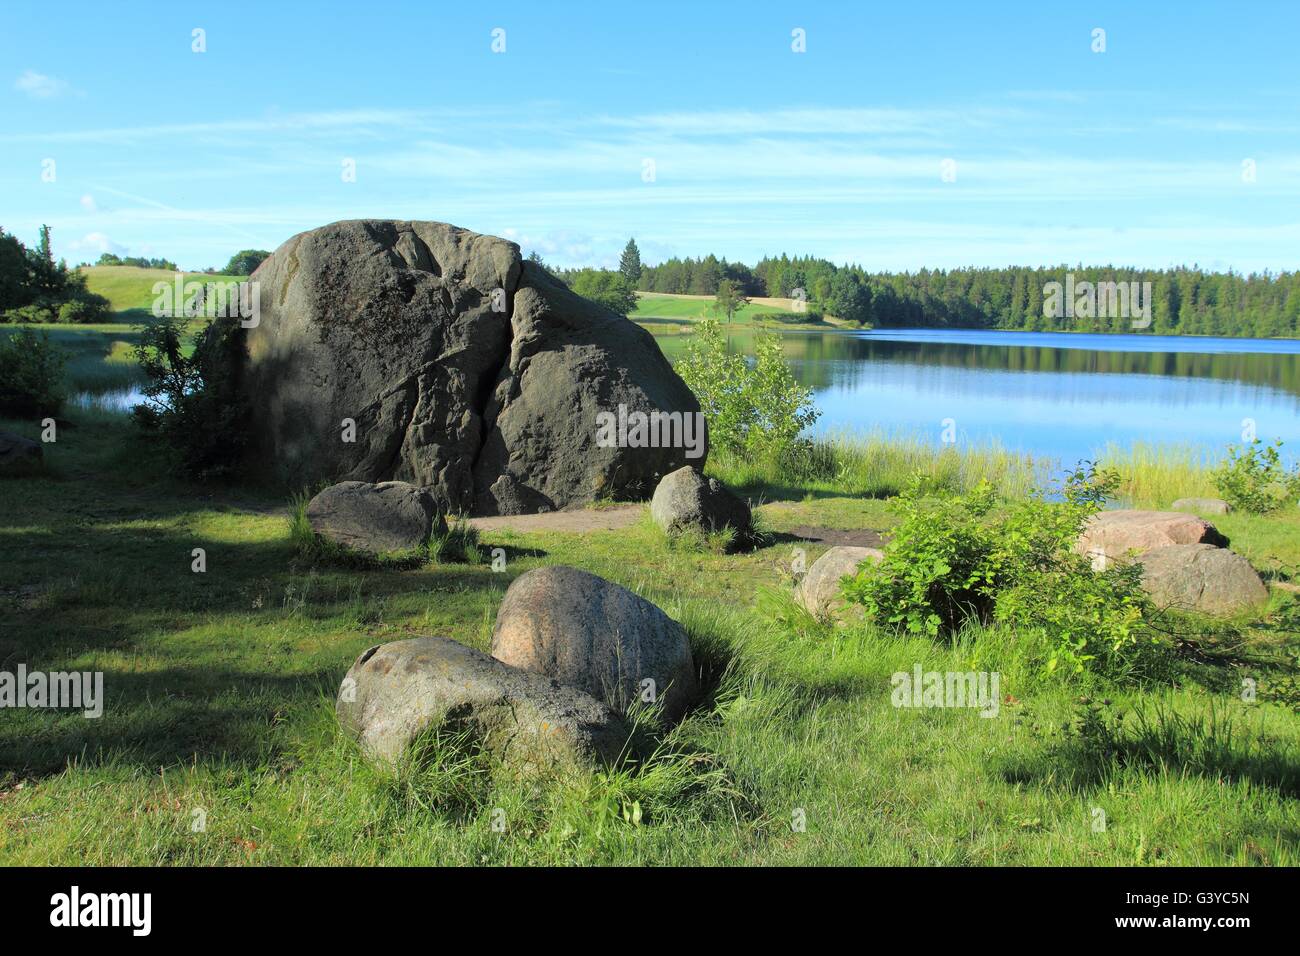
x,y
39,86
88,203
96,242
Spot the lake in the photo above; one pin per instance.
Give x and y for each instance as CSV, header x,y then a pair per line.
x,y
1051,394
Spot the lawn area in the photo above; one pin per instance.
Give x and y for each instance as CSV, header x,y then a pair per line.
x,y
129,289
220,687
661,309
101,357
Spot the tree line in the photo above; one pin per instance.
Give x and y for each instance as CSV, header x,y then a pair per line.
x,y
1185,300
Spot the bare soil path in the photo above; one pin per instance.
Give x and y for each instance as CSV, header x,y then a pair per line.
x,y
623,516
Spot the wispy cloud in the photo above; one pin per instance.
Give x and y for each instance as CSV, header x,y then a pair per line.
x,y
39,86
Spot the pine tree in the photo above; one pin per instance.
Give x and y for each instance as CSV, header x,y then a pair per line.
x,y
630,263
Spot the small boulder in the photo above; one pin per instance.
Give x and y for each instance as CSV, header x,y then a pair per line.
x,y
395,692
19,455
1119,534
819,590
378,518
596,636
686,499
1205,506
1201,577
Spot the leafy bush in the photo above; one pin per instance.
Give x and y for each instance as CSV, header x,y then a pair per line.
x,y
31,374
754,411
193,399
958,558
610,289
769,318
42,311
1253,478
85,309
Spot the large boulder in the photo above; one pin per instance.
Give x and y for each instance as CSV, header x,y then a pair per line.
x,y
1114,535
463,368
819,589
686,499
593,634
375,518
1201,577
1205,506
18,455
396,692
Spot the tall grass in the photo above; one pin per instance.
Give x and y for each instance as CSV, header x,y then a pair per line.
x,y
878,464
1156,475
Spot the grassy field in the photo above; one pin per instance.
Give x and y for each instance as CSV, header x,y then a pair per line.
x,y
220,687
129,289
101,358
661,309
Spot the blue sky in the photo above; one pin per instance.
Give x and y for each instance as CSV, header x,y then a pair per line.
x,y
1132,156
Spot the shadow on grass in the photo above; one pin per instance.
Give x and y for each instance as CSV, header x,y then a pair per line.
x,y
165,717
1100,743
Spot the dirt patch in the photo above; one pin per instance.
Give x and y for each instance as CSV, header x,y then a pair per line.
x,y
624,516
854,537
588,519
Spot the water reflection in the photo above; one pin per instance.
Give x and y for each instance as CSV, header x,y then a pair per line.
x,y
1057,394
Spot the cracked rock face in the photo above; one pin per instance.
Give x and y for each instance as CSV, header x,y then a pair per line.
x,y
462,368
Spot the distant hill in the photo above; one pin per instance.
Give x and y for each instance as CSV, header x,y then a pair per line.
x,y
130,289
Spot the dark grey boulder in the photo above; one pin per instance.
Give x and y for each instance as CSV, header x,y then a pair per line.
x,y
375,518
819,590
465,369
686,499
396,692
597,636
19,455
1201,577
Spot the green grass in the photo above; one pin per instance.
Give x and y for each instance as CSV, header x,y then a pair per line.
x,y
129,289
663,310
220,687
879,465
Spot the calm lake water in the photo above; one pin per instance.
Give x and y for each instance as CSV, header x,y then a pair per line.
x,y
1058,395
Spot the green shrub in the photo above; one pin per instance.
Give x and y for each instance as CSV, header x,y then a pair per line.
x,y
754,411
1253,478
42,311
809,315
31,374
193,399
960,558
86,308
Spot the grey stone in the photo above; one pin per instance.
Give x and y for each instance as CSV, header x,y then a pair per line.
x,y
1201,577
375,518
1207,506
819,590
465,369
19,455
686,499
593,634
396,692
